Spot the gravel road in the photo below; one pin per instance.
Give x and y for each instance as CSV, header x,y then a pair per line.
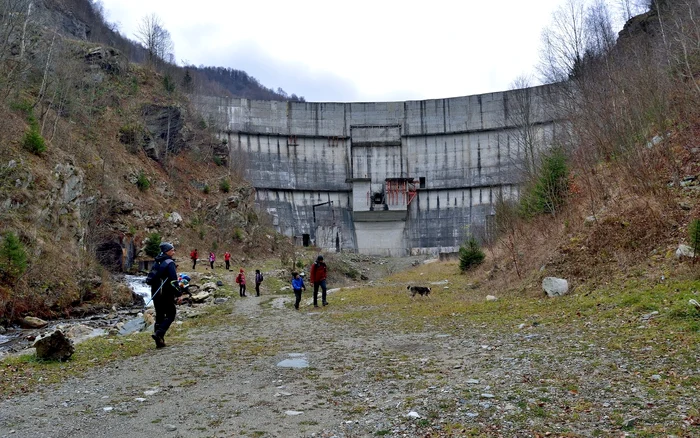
x,y
452,378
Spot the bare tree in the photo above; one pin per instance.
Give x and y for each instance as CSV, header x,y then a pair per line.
x,y
521,112
564,43
155,39
629,8
17,24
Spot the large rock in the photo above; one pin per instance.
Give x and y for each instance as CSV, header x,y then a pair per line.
x,y
200,297
32,322
684,251
555,287
55,346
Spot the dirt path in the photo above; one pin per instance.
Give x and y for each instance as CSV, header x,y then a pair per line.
x,y
364,379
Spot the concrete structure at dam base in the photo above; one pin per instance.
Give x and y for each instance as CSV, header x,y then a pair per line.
x,y
386,178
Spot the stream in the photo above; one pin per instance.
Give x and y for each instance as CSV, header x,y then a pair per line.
x,y
17,338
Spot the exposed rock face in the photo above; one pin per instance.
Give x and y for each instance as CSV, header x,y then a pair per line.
x,y
165,126
107,59
54,347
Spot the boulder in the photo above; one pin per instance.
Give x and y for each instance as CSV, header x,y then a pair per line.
x,y
491,298
55,346
137,324
684,251
555,287
200,297
32,322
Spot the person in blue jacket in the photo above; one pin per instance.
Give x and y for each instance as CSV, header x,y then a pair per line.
x,y
164,292
298,286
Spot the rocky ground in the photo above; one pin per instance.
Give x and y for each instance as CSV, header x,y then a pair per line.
x,y
366,377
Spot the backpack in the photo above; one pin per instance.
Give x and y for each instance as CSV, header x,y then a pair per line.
x,y
154,274
261,277
238,278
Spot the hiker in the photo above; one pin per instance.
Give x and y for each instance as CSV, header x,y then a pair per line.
x,y
227,259
212,259
194,255
164,291
317,277
298,286
240,279
258,279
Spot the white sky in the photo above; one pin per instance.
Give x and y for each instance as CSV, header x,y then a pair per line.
x,y
359,50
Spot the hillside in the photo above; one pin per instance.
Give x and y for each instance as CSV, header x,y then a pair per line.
x,y
97,155
84,20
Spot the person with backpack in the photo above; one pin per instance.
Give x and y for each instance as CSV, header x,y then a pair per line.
x,y
212,259
193,256
240,279
317,276
258,279
164,291
297,286
227,259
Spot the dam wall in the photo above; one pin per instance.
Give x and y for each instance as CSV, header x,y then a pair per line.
x,y
386,178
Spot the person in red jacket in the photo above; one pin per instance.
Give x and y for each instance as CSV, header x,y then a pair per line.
x,y
193,256
317,276
227,259
240,279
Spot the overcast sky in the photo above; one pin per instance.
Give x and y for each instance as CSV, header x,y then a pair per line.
x,y
380,50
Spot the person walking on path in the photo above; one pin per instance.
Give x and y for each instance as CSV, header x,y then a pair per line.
x,y
193,256
317,277
227,259
258,280
212,259
298,286
164,291
240,279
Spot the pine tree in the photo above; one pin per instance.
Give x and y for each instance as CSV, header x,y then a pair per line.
x,y
153,244
470,255
13,257
694,234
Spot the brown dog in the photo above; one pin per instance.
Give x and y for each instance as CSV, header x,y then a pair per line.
x,y
420,290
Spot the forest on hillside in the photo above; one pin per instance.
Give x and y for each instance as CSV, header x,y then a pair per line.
x,y
85,20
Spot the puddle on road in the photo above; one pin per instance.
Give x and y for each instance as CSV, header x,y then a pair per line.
x,y
296,360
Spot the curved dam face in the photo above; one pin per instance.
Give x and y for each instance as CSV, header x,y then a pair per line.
x,y
385,178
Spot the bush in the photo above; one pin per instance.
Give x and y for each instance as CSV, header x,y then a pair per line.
x,y
694,234
225,186
237,234
470,255
34,141
142,182
168,83
133,136
218,161
206,189
153,244
550,189
13,257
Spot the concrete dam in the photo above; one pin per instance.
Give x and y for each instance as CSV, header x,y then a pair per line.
x,y
384,178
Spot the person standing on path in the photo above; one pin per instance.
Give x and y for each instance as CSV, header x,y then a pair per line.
x,y
227,259
212,259
258,280
297,286
193,256
164,291
240,279
317,276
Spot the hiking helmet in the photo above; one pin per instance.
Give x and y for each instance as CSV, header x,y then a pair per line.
x,y
166,246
